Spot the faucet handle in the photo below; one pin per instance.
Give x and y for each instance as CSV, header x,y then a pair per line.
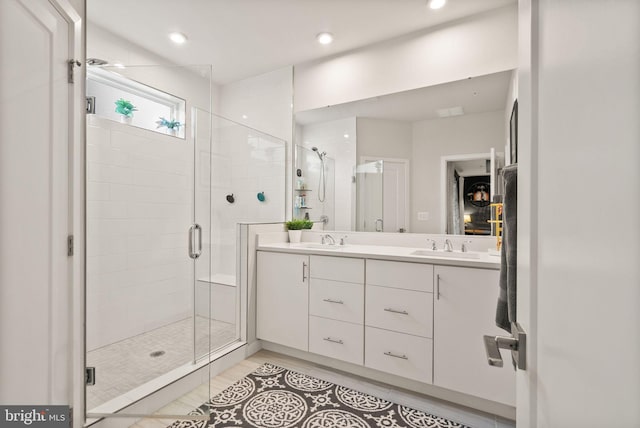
x,y
343,240
464,248
433,244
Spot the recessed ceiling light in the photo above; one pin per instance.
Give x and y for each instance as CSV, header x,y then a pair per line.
x,y
437,4
346,135
324,38
178,38
244,116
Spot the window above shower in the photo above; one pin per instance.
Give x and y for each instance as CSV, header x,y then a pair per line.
x,y
119,98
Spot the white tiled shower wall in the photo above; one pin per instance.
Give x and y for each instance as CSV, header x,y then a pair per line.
x,y
244,163
139,207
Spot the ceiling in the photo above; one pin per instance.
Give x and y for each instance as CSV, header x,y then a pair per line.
x,y
243,38
474,95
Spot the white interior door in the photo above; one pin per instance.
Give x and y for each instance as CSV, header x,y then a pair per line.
x,y
578,271
35,272
395,208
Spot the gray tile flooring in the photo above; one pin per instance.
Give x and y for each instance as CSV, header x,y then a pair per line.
x,y
128,364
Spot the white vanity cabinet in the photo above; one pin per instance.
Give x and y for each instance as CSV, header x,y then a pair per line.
x,y
399,318
283,299
464,311
336,308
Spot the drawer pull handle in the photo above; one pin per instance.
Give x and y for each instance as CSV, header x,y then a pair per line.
x,y
395,311
391,354
340,302
339,341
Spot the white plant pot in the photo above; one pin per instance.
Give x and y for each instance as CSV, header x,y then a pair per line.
x,y
125,119
294,236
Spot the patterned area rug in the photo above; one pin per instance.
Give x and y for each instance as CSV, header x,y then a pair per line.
x,y
273,397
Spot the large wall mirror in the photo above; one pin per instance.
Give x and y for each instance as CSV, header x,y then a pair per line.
x,y
422,161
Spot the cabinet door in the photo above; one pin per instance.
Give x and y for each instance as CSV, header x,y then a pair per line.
x,y
464,311
283,299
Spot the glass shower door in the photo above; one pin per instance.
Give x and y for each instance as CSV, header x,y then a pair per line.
x,y
148,215
369,194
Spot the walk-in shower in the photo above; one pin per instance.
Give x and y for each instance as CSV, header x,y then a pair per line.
x,y
315,191
162,294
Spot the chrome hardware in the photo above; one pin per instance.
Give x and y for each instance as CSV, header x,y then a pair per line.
x,y
516,343
379,225
328,339
464,248
395,311
71,64
433,244
90,107
340,302
448,246
328,239
343,240
438,287
90,376
70,245
391,354
324,219
304,271
194,230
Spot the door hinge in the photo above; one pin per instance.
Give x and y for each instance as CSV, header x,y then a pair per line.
x,y
90,376
91,105
70,245
71,64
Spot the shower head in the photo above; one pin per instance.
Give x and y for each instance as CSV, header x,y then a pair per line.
x,y
320,155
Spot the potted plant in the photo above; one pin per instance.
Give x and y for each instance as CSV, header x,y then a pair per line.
x,y
295,228
173,126
125,109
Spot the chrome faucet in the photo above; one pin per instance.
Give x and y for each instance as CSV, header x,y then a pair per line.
x,y
343,240
448,246
328,239
464,248
433,244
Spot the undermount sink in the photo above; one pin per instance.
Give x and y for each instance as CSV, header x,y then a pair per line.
x,y
317,246
447,254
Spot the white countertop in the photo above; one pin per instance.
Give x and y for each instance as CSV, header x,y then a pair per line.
x,y
380,252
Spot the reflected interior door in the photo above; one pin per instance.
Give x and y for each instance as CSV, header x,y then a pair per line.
x,y
370,196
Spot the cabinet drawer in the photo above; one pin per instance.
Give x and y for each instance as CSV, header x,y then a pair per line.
x,y
337,269
343,301
404,311
336,339
398,354
410,276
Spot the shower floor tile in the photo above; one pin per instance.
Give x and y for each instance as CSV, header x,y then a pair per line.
x,y
128,364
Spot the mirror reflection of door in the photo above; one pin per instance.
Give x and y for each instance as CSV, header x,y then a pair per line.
x,y
469,183
395,195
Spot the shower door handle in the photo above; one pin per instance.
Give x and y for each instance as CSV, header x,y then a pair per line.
x,y
195,233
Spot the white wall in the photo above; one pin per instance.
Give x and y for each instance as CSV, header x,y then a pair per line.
x,y
432,139
382,138
330,137
475,46
267,102
578,270
139,206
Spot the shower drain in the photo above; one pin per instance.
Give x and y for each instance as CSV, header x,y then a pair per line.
x,y
156,354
